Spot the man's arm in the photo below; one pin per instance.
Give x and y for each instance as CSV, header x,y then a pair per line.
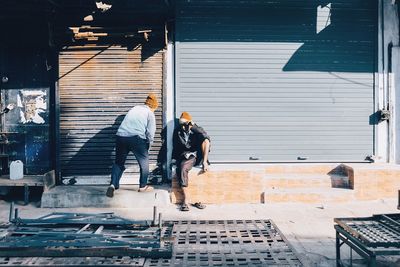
x,y
175,145
151,128
200,131
205,147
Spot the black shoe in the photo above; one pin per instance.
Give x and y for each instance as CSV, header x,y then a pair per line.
x,y
110,191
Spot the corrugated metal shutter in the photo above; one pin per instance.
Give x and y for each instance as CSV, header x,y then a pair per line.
x,y
279,80
97,87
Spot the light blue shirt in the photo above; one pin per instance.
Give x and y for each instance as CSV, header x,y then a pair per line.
x,y
139,121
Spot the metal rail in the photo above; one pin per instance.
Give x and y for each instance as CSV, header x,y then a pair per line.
x,y
370,237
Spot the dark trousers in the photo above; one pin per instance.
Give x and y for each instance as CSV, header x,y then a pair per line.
x,y
140,149
183,167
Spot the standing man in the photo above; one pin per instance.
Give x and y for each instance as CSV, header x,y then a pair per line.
x,y
191,145
136,133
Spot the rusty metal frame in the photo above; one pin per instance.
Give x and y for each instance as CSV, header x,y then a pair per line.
x,y
29,244
65,218
398,203
386,223
85,235
378,235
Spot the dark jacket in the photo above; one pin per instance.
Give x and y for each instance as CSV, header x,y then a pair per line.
x,y
196,138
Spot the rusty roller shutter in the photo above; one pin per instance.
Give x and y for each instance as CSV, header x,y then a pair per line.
x,y
97,87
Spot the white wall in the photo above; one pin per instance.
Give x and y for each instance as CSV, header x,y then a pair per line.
x,y
395,157
169,95
388,30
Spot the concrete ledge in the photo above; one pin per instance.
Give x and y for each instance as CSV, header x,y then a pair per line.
x,y
94,196
307,183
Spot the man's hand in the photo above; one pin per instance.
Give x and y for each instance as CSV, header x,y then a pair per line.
x,y
173,162
205,148
206,167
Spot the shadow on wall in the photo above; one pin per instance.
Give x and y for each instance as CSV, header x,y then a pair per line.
x,y
162,168
95,157
333,36
64,23
148,47
342,41
118,23
342,177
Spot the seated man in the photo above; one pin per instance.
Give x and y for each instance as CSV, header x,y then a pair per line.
x,y
191,145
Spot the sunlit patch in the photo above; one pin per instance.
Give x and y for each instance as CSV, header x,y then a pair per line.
x,y
103,6
323,17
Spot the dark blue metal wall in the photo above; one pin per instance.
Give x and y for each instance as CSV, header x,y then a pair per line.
x,y
28,74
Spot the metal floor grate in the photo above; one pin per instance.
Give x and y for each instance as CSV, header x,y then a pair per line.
x,y
200,243
228,243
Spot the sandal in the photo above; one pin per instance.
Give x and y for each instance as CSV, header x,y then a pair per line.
x,y
184,207
199,205
147,188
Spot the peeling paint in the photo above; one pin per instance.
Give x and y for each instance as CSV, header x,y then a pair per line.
x,y
32,103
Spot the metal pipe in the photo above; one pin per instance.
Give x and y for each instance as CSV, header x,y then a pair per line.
x,y
160,220
154,215
10,216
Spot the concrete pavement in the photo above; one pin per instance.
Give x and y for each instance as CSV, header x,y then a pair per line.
x,y
308,227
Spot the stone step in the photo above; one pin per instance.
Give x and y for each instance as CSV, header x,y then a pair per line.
x,y
220,187
375,181
310,195
247,183
95,196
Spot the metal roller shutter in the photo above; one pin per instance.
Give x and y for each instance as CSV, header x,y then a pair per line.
x,y
97,87
279,80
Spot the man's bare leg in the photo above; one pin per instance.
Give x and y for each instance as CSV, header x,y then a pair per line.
x,y
185,195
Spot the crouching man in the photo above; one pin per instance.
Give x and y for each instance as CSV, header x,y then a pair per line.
x,y
191,145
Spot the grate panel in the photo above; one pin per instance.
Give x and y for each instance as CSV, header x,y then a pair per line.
x,y
374,232
228,243
377,231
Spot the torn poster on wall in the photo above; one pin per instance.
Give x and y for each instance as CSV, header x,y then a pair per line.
x,y
32,103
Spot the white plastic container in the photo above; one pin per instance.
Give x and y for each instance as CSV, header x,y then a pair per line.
x,y
16,170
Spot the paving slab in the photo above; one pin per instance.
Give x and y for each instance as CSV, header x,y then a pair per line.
x,y
307,226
